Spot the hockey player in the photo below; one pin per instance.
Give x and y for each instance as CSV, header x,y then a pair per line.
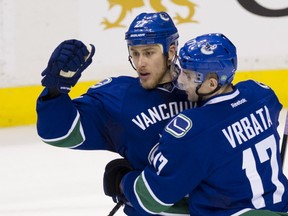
x,y
121,114
223,156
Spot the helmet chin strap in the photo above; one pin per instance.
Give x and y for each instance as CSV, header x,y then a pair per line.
x,y
130,60
173,68
201,95
174,71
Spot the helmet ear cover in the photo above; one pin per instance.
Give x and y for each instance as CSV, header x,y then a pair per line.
x,y
152,28
210,53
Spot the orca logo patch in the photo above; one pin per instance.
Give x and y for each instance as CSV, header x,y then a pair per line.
x,y
103,82
179,126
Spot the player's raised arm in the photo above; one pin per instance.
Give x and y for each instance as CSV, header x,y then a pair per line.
x,y
61,121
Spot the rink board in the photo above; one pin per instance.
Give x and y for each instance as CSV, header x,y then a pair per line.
x,y
18,104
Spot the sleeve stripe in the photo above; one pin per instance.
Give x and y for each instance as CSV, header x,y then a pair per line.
x,y
68,133
72,139
138,197
146,198
151,192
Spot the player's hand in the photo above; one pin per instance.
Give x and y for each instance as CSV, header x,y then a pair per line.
x,y
66,64
114,172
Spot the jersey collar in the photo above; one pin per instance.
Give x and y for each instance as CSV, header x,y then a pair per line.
x,y
221,98
169,86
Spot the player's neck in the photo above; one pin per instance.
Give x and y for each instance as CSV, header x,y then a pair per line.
x,y
225,89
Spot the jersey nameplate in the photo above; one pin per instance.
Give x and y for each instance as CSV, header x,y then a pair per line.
x,y
248,127
159,113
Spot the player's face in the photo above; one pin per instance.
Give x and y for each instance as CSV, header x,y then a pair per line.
x,y
186,81
150,64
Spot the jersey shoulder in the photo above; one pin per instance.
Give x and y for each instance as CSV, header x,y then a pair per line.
x,y
111,92
115,87
256,91
113,83
254,86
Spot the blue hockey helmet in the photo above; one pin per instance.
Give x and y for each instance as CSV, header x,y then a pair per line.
x,y
210,53
152,28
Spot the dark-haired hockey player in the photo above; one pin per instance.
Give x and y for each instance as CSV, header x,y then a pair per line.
x,y
121,114
224,155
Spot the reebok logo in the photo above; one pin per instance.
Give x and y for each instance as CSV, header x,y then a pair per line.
x,y
239,102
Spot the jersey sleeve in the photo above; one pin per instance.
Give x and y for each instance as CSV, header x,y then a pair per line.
x,y
78,123
164,185
85,122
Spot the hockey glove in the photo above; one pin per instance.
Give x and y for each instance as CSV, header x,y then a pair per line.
x,y
114,172
66,64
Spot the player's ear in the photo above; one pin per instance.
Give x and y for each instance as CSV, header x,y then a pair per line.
x,y
172,52
213,83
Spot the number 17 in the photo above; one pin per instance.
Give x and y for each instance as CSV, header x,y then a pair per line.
x,y
249,164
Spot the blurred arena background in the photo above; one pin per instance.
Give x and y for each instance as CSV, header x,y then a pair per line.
x,y
39,180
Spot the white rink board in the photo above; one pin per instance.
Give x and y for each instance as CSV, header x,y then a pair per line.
x,y
30,30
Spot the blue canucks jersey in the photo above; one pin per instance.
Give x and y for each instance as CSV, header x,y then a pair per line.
x,y
223,157
116,114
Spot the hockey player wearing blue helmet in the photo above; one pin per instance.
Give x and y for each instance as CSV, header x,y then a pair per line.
x,y
224,155
122,114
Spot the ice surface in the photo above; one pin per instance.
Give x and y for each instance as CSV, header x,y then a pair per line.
x,y
40,180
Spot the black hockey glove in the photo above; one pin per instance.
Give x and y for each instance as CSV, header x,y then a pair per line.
x,y
66,64
114,172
